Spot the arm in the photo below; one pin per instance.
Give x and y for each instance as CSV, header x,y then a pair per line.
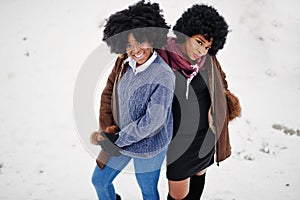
x,y
233,103
155,116
105,113
223,75
106,121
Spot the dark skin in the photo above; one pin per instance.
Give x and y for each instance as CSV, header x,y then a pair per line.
x,y
193,48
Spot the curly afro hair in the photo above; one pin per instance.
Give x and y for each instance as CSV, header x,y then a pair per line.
x,y
204,20
142,19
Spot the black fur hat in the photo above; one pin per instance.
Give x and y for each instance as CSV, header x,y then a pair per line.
x,y
204,20
144,20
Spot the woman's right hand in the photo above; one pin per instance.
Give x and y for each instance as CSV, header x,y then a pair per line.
x,y
96,137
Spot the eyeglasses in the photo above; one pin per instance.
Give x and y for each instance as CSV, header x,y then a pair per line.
x,y
137,45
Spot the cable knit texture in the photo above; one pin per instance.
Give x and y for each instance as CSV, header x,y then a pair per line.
x,y
144,106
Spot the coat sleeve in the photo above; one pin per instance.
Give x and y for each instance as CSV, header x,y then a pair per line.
x,y
223,147
223,75
233,103
105,113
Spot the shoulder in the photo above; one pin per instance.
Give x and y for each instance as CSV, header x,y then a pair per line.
x,y
162,66
120,59
162,73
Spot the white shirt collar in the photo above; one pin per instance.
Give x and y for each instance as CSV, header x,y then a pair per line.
x,y
136,70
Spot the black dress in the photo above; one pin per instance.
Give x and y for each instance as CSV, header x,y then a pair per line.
x,y
192,146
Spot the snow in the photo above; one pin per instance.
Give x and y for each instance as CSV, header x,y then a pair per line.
x,y
43,46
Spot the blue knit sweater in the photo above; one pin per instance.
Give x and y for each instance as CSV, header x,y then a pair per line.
x,y
144,110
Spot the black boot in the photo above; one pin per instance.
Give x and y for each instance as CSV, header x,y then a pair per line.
x,y
196,187
118,197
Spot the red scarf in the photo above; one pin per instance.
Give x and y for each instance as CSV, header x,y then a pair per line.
x,y
177,61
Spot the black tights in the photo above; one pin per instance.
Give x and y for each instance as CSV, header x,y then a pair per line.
x,y
196,187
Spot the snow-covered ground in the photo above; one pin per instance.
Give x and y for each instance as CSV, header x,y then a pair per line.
x,y
43,45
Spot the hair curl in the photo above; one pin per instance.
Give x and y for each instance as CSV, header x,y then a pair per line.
x,y
204,20
142,19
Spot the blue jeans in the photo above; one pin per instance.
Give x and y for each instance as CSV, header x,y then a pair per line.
x,y
147,173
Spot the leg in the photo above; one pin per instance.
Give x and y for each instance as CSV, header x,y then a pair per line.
x,y
188,189
147,175
102,178
178,189
171,198
197,183
148,184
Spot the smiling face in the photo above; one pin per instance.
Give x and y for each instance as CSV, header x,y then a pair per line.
x,y
139,51
195,47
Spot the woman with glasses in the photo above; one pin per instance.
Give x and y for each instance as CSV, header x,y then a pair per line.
x,y
140,90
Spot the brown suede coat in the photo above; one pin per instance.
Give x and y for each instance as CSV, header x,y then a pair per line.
x,y
226,109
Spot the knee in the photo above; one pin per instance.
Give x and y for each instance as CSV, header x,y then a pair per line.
x,y
98,180
149,190
201,172
148,181
179,189
95,179
177,196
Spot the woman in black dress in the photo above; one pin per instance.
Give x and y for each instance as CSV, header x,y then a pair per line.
x,y
200,33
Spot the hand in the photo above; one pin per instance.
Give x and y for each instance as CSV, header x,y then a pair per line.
x,y
111,129
96,137
108,144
